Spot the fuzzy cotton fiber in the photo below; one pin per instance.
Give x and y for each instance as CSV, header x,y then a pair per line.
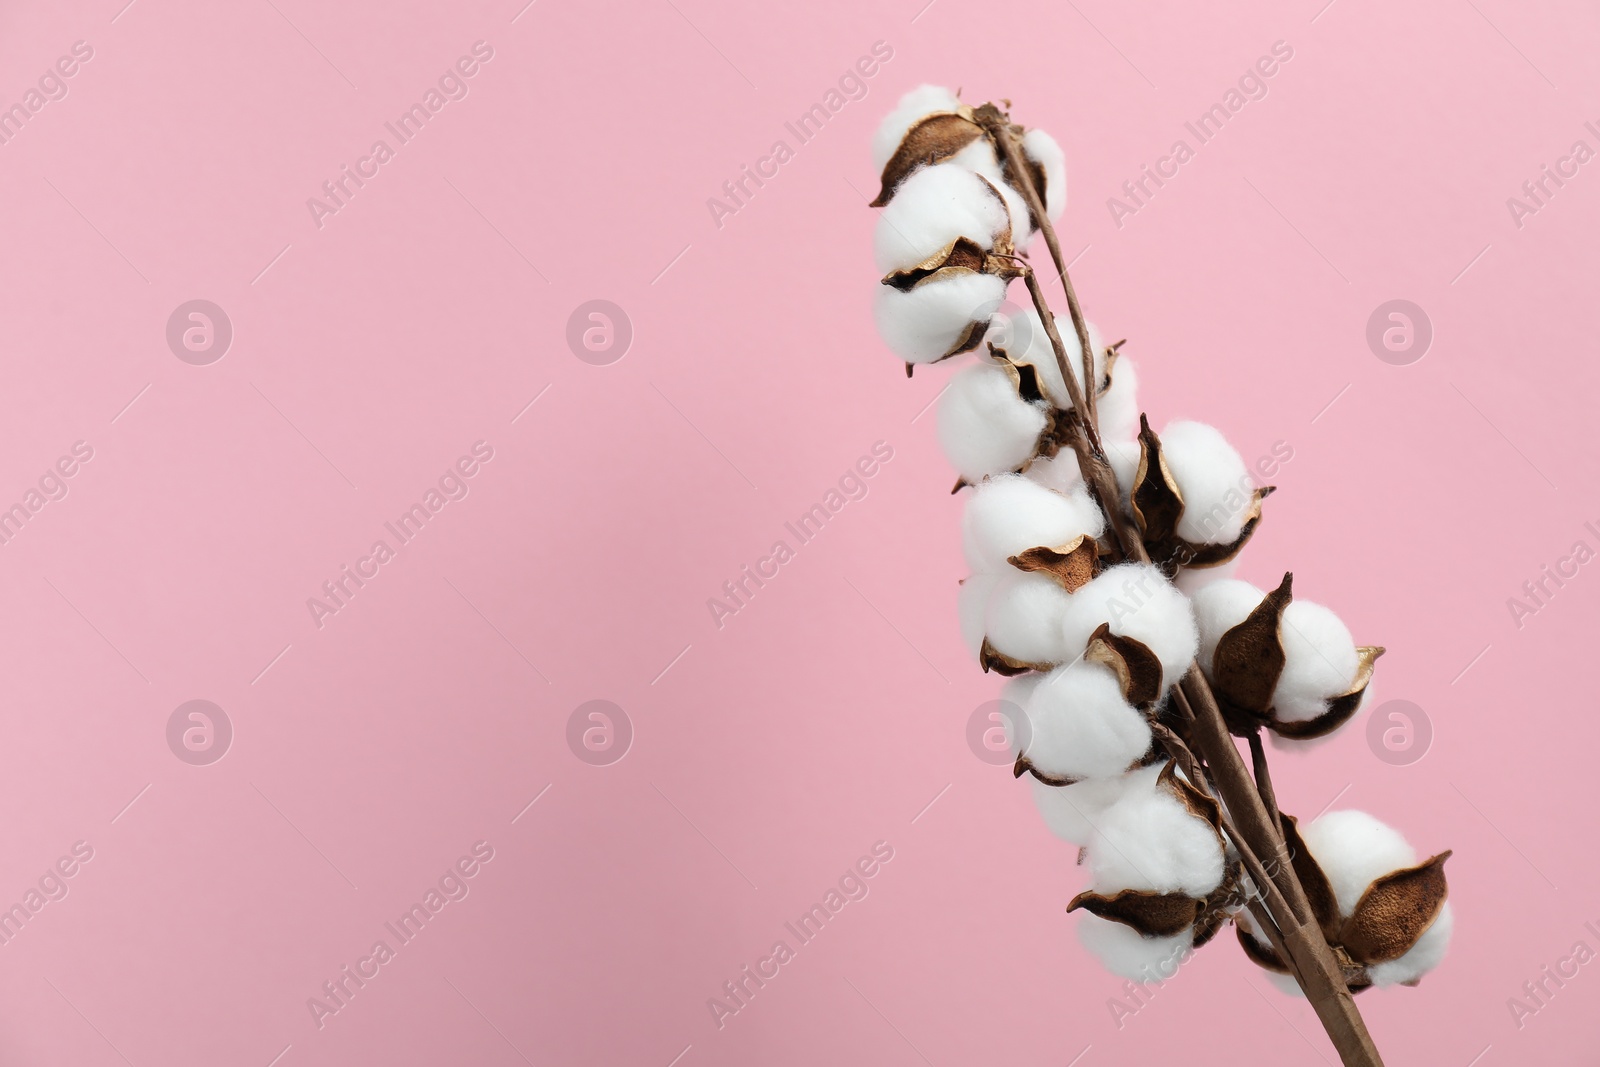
x,y
1082,726
925,323
1127,953
1060,472
1034,347
980,158
1023,618
1138,602
1320,658
1353,849
1118,409
1073,811
915,106
1215,484
985,427
1148,840
1010,514
931,210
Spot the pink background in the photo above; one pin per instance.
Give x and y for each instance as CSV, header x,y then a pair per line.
x,y
768,755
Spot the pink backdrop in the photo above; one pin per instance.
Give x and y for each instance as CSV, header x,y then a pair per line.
x,y
373,346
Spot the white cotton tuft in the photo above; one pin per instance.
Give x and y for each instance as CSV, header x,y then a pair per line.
x,y
1320,661
1032,345
1118,409
1137,601
1009,514
1191,580
1420,958
1023,619
1071,811
922,325
1216,486
985,427
1082,726
1149,840
1353,849
1124,459
972,601
1018,691
933,208
980,158
1218,608
916,105
1059,472
1126,953
1042,149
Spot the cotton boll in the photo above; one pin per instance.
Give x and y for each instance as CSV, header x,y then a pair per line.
x,y
1126,953
1082,727
1059,472
1137,601
1042,149
1150,841
1191,580
1353,849
933,208
1422,957
916,105
984,426
1023,620
925,323
1118,409
1216,486
1218,608
1036,349
1320,661
1009,514
972,600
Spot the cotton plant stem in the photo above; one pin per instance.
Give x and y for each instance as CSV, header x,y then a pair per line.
x,y
1258,760
1316,968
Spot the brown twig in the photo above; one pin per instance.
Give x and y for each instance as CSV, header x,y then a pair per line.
x,y
1258,760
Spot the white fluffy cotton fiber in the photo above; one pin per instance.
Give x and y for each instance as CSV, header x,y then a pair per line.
x,y
1137,601
1215,484
923,324
1010,514
985,427
1082,727
932,209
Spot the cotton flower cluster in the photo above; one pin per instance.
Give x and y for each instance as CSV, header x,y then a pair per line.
x,y
1288,665
1385,914
1091,637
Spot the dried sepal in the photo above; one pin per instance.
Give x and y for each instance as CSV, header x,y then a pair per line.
x,y
1249,659
1023,765
991,660
963,252
1151,914
1201,805
1157,502
1137,669
933,139
1313,879
1395,911
1263,956
1070,566
1341,707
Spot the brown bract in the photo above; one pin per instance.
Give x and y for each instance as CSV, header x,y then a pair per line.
x,y
1071,566
933,139
1158,505
1386,923
1248,661
1137,669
